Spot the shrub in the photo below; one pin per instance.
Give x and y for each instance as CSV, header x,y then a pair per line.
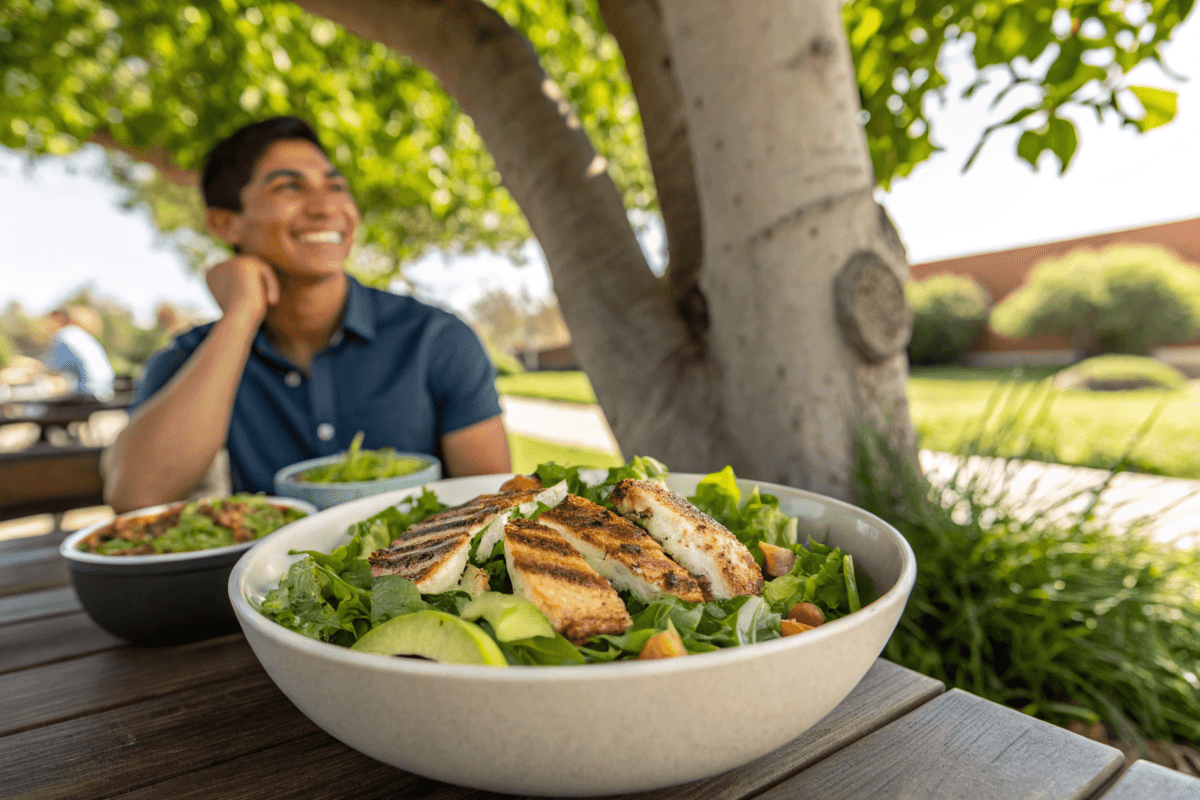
x,y
949,311
1117,373
1126,299
1045,610
7,349
505,363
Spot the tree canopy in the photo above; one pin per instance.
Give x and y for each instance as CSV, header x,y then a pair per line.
x,y
163,80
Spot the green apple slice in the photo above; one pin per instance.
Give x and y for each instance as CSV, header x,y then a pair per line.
x,y
511,617
434,635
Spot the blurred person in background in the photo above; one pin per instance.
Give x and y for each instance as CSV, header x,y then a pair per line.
x,y
303,356
75,353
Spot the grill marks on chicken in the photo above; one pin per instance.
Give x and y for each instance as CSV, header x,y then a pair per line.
x,y
620,551
721,564
550,573
433,553
568,562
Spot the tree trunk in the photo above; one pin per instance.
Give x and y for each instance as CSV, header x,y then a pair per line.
x,y
803,273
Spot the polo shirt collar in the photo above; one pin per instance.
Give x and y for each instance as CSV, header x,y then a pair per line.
x,y
359,318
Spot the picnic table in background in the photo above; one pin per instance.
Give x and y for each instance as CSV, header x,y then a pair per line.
x,y
86,716
62,412
47,478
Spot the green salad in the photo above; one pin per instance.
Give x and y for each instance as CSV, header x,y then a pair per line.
x,y
332,597
364,465
198,525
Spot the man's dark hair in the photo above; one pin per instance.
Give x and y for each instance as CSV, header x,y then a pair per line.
x,y
229,165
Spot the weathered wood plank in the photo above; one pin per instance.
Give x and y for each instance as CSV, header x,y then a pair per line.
x,y
101,755
886,693
38,605
40,641
49,479
1146,780
314,766
959,746
55,692
29,571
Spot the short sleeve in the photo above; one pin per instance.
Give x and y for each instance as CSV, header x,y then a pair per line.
x,y
462,378
159,369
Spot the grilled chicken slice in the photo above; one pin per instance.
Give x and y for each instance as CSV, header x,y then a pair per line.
x,y
620,551
548,572
433,553
721,564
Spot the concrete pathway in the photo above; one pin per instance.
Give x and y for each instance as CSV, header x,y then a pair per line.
x,y
1168,507
563,423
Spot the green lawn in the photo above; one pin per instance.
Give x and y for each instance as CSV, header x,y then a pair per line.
x,y
527,453
1026,417
567,387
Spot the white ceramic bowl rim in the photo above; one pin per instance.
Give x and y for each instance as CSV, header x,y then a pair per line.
x,y
899,591
70,546
288,473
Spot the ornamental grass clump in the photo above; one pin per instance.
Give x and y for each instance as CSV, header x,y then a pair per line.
x,y
1046,609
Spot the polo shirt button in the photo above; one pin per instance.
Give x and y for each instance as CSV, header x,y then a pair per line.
x,y
292,379
324,431
336,339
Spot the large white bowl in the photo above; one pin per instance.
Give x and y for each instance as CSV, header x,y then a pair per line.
x,y
583,730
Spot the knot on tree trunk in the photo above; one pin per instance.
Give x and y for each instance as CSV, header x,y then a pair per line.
x,y
870,307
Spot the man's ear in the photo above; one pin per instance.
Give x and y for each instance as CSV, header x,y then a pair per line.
x,y
226,225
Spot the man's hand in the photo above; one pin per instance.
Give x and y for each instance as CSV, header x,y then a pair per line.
x,y
244,285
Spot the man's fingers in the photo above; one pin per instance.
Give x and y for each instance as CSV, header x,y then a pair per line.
x,y
270,282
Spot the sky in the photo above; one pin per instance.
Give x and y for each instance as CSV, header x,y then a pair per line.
x,y
61,227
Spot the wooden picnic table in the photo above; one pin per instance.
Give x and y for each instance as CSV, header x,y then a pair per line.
x,y
59,412
86,716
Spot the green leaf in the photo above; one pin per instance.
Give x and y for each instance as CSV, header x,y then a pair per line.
x,y
544,651
1062,139
393,596
1160,105
853,602
1067,62
1030,146
718,495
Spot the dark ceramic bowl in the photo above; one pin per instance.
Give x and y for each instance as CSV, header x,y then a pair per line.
x,y
161,599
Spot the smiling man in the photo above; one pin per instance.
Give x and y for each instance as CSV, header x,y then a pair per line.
x,y
303,356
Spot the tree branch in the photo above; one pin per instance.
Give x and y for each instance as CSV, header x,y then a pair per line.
x,y
156,157
637,27
625,326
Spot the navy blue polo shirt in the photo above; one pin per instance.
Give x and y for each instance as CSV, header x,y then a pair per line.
x,y
403,372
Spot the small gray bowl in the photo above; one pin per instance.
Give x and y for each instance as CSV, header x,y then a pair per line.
x,y
325,495
160,599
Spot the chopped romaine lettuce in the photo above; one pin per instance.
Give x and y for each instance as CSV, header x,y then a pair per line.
x,y
364,465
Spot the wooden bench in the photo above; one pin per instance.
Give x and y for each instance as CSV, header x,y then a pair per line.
x,y
49,480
